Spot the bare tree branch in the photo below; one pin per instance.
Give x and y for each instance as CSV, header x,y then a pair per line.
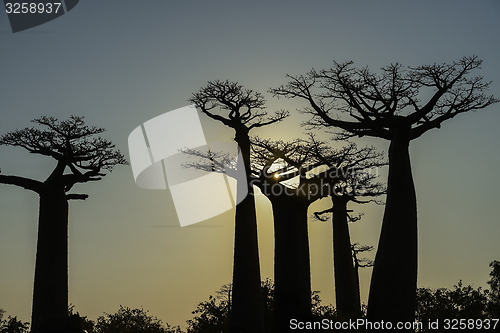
x,y
29,184
234,106
72,144
380,103
76,196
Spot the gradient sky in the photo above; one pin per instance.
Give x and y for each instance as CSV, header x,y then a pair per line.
x,y
120,63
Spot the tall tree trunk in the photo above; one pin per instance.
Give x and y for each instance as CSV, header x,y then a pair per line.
x,y
292,278
50,292
247,312
356,278
394,278
345,280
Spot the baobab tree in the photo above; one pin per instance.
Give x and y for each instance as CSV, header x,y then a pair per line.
x,y
389,106
242,110
80,157
284,173
280,170
319,171
352,178
292,175
360,262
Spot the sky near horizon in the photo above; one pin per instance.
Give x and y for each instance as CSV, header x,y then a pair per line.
x,y
121,63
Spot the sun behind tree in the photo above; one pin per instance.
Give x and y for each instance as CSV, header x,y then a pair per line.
x,y
241,110
399,105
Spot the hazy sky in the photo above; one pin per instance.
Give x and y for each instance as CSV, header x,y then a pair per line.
x,y
120,63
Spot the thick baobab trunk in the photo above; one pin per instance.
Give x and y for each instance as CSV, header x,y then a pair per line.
x,y
394,278
292,278
50,292
247,312
345,281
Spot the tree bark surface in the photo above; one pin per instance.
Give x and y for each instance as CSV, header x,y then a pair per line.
x,y
247,311
50,291
345,280
292,278
394,278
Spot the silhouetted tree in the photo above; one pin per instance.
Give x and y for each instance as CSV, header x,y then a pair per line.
x,y
360,263
351,177
388,106
321,311
86,324
494,296
271,173
462,302
242,110
284,172
12,324
213,315
349,302
127,320
344,180
74,147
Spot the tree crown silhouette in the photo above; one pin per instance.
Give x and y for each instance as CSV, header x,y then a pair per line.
x,y
72,144
378,103
245,108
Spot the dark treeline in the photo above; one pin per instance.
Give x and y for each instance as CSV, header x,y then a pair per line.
x,y
212,315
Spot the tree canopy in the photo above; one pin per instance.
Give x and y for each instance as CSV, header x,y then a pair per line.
x,y
377,103
74,146
81,157
245,108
